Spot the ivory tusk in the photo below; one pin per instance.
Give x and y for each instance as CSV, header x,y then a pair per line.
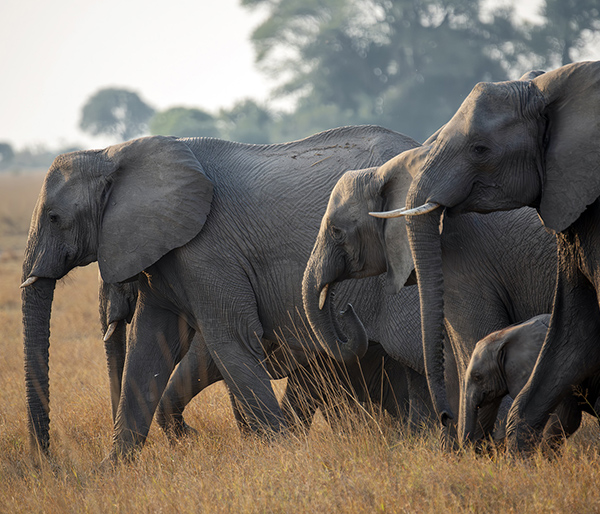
x,y
28,282
388,214
110,330
422,209
323,296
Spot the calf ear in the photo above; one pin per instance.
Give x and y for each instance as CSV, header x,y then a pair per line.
x,y
395,184
572,155
158,200
519,349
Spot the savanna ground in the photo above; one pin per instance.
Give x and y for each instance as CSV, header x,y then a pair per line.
x,y
369,467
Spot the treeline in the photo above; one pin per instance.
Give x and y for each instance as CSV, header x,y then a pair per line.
x,y
403,64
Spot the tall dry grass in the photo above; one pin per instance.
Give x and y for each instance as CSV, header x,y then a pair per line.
x,y
367,465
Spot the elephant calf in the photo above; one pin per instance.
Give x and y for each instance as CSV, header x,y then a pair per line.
x,y
502,363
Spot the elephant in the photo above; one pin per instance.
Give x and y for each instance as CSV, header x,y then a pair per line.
x,y
485,260
376,379
502,363
217,235
513,144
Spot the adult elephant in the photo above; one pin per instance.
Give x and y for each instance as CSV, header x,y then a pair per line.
x,y
485,260
513,144
336,388
217,235
502,363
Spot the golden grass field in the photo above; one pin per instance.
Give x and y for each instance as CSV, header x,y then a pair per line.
x,y
372,466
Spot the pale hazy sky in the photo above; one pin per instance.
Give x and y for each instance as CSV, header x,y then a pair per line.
x,y
55,54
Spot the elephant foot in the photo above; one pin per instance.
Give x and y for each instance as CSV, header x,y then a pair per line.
x,y
522,439
176,429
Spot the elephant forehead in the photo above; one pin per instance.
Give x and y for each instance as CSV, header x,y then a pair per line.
x,y
488,107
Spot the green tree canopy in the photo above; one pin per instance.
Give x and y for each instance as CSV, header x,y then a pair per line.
x,y
117,112
405,64
184,122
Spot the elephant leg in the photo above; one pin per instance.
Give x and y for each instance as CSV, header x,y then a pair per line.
x,y
157,340
420,413
562,423
569,354
195,372
250,385
301,399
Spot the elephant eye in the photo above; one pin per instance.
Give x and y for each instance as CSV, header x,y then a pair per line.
x,y
337,233
476,377
53,218
480,150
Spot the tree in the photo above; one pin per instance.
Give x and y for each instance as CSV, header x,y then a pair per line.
x,y
7,155
117,112
247,122
184,122
405,64
569,27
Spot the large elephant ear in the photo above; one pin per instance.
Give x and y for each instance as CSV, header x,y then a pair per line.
x,y
159,200
395,185
572,164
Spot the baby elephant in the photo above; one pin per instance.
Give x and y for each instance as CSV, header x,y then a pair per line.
x,y
501,364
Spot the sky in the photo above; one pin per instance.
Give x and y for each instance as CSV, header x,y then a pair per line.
x,y
54,55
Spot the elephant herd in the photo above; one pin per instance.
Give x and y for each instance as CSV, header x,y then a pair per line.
x,y
439,280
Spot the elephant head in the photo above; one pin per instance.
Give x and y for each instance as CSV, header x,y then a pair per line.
x,y
501,364
511,144
352,245
125,206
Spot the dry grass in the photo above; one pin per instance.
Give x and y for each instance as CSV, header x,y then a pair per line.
x,y
372,466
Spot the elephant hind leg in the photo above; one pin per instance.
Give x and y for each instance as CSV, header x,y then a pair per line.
x,y
250,386
195,372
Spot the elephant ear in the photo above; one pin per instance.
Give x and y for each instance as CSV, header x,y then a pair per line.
x,y
395,181
519,347
158,200
572,163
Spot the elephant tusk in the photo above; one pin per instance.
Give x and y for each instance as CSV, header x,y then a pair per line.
x,y
110,330
28,282
323,296
389,214
422,209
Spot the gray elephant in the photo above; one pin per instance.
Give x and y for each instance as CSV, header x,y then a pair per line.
x,y
217,235
502,363
513,144
486,264
375,380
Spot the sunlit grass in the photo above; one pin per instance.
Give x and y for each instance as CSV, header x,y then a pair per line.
x,y
364,464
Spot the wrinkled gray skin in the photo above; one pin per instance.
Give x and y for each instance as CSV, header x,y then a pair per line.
x,y
217,235
502,363
513,144
376,380
485,260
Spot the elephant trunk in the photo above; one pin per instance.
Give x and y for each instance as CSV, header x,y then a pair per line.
x,y
425,243
318,305
37,306
467,425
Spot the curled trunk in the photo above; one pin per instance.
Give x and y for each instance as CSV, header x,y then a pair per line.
x,y
323,320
